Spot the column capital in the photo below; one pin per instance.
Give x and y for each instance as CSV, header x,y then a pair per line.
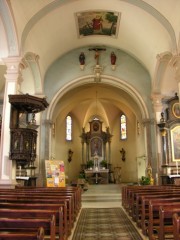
x,y
175,64
12,64
157,101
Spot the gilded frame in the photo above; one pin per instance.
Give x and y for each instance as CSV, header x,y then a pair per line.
x,y
175,143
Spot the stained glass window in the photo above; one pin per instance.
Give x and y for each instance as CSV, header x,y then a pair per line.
x,y
123,126
69,128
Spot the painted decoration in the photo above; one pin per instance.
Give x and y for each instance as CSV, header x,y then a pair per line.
x,y
55,173
175,140
97,23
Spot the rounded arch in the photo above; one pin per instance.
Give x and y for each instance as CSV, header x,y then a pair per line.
x,y
8,24
109,80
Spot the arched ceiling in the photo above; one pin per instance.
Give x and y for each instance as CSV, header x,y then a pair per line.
x,y
49,28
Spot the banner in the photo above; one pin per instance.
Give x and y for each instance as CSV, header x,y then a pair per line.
x,y
55,174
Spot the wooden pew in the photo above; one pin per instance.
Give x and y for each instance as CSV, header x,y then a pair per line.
x,y
176,226
134,196
34,213
62,226
18,224
166,219
128,191
152,205
153,221
37,235
14,198
76,191
142,204
71,196
138,204
44,197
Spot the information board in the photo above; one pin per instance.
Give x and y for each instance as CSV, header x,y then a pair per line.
x,y
55,173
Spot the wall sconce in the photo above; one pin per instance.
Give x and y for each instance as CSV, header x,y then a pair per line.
x,y
70,154
123,154
82,60
113,60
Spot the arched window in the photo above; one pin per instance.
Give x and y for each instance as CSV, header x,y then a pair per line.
x,y
123,127
68,128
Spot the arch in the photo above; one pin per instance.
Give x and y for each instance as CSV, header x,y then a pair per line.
x,y
109,80
138,3
11,36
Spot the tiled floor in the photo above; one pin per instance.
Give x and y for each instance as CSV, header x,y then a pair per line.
x,y
103,196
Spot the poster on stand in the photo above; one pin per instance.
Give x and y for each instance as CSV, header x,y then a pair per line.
x,y
55,173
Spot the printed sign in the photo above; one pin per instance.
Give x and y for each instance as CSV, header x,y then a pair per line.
x,y
55,173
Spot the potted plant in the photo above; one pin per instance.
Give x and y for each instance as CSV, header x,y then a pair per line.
x,y
90,164
145,180
103,164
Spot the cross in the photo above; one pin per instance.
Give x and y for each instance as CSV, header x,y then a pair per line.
x,y
97,53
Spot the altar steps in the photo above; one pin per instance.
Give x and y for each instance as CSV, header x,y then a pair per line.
x,y
102,198
101,195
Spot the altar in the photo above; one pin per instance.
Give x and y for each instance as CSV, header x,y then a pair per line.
x,y
170,179
100,176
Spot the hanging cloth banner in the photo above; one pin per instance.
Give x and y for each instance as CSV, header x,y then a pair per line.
x,y
55,174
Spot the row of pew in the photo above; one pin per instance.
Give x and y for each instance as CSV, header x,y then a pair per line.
x,y
29,213
155,209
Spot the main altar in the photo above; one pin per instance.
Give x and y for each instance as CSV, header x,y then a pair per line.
x,y
96,153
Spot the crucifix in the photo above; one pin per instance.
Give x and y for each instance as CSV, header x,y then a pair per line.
x,y
97,53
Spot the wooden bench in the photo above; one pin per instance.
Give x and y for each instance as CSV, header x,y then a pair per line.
x,y
142,204
43,197
37,235
166,219
42,200
133,197
34,213
76,191
18,225
150,211
69,196
128,191
62,228
176,226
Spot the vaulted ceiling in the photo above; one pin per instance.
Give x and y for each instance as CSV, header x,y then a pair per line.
x,y
49,28
146,28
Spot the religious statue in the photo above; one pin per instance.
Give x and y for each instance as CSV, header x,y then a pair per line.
x,y
149,174
113,58
97,53
82,58
123,153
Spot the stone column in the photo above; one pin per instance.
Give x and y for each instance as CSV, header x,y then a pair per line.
x,y
158,109
7,166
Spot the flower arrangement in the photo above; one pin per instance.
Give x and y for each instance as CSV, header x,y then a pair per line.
x,y
90,163
145,180
103,163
